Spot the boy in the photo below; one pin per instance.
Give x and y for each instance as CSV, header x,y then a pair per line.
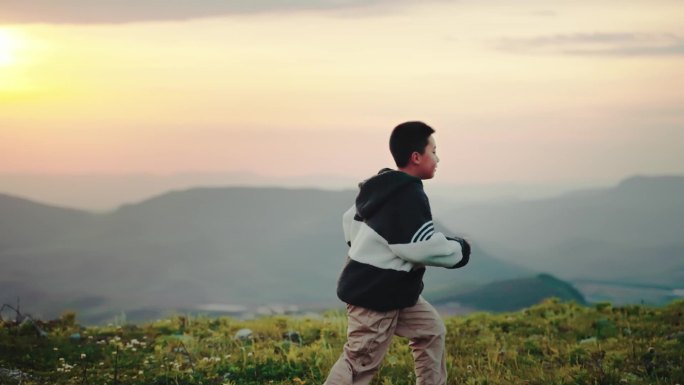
x,y
392,238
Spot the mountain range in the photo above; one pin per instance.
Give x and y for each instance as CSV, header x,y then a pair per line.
x,y
631,233
218,246
188,249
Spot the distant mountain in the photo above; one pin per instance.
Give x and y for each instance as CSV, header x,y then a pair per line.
x,y
187,249
211,247
106,192
633,232
22,222
511,295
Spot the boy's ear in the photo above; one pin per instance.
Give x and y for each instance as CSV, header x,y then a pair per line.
x,y
415,157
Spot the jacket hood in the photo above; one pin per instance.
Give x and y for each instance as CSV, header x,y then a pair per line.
x,y
374,192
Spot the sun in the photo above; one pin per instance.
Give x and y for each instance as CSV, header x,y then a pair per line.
x,y
9,45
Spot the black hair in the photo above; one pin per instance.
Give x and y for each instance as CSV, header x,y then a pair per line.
x,y
407,138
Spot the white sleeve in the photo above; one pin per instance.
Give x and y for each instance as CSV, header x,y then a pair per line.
x,y
347,223
436,250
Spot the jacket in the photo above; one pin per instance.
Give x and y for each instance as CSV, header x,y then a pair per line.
x,y
391,238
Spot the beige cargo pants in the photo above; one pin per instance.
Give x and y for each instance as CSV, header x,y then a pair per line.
x,y
369,334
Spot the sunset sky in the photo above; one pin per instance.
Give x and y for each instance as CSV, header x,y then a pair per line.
x,y
517,90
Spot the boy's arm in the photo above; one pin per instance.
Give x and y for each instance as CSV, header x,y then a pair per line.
x,y
437,250
348,224
421,244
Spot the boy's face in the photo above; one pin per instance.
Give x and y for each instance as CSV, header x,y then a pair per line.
x,y
428,160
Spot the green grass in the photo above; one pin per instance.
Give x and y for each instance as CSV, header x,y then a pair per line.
x,y
551,343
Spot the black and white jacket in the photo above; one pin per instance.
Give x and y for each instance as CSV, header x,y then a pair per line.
x,y
392,237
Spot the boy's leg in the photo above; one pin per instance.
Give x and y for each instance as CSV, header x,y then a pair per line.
x,y
369,334
423,326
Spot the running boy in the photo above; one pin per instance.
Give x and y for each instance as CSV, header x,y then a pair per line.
x,y
392,238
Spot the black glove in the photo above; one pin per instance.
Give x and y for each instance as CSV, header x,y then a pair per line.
x,y
465,249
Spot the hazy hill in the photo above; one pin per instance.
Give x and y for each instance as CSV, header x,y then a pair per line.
x,y
187,248
105,192
633,232
511,295
23,222
253,246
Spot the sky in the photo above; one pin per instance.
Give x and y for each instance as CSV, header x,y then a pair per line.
x,y
524,91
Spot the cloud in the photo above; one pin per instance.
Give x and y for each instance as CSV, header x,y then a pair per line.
x,y
597,44
125,11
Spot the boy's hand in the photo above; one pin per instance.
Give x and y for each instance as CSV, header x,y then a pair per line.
x,y
465,250
418,266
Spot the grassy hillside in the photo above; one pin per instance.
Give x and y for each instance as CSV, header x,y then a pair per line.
x,y
551,343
